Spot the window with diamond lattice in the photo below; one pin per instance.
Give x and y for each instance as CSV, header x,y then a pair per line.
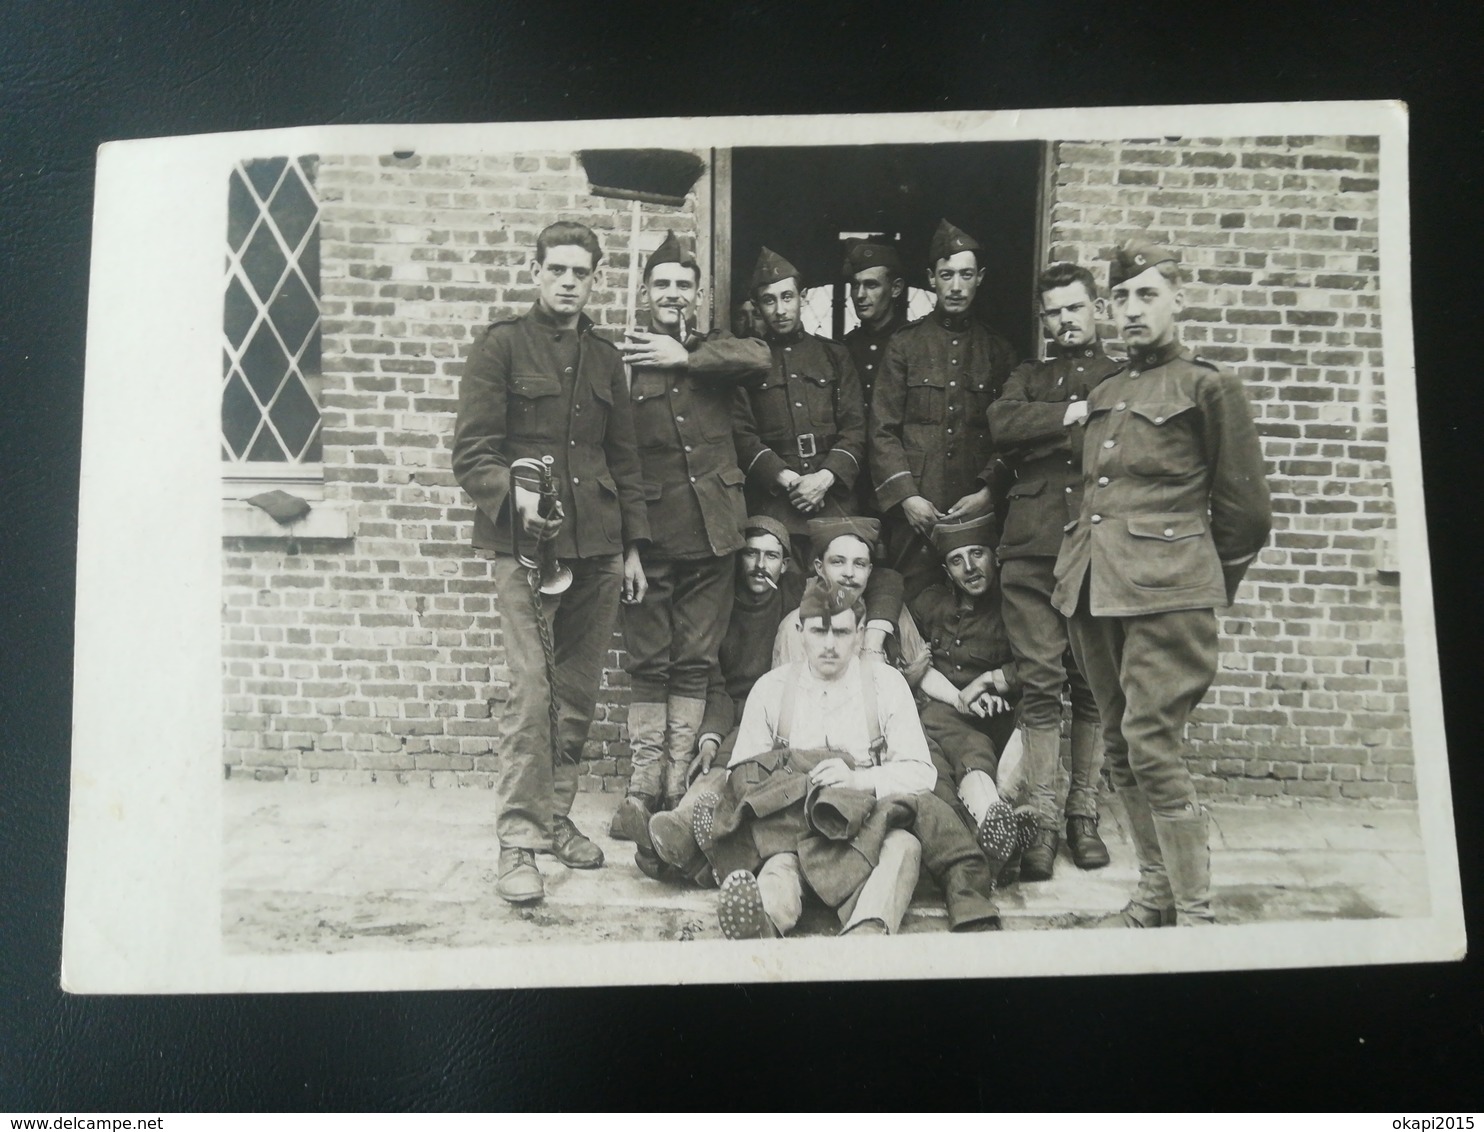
x,y
271,323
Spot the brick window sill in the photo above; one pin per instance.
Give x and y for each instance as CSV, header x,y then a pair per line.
x,y
324,521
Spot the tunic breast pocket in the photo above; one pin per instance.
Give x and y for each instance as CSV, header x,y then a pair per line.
x,y
1159,441
535,406
924,397
819,395
1021,520
653,423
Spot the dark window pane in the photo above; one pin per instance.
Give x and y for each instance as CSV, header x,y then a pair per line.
x,y
242,210
309,261
263,363
292,209
266,448
263,263
294,415
240,312
294,312
263,172
240,415
310,164
309,359
314,453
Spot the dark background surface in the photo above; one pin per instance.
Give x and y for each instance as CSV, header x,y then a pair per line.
x,y
74,75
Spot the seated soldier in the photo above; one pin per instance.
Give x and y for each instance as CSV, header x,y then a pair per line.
x,y
857,724
967,695
842,549
765,590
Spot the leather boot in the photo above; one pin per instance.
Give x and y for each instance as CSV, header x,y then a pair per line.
x,y
1039,858
739,909
1186,844
1153,904
519,882
572,848
647,761
1087,848
684,714
968,895
1042,755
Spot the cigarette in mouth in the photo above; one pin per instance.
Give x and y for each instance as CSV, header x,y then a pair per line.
x,y
772,585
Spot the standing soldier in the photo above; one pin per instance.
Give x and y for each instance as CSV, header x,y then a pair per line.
x,y
539,386
682,390
930,451
801,431
877,285
1175,508
1034,428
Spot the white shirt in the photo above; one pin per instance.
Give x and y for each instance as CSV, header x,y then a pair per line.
x,y
831,713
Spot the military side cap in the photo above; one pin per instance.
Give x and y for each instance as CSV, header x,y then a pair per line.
x,y
822,532
824,599
949,240
669,251
772,268
768,525
1135,257
866,254
948,537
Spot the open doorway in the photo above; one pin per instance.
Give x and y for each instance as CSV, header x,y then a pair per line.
x,y
806,203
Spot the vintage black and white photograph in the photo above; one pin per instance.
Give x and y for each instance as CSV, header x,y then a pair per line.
x,y
910,546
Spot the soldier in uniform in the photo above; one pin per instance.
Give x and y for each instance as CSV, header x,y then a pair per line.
x,y
801,429
969,692
682,390
540,385
930,450
877,286
1034,426
1175,507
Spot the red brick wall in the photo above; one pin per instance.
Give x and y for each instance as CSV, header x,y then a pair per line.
x,y
378,658
1279,241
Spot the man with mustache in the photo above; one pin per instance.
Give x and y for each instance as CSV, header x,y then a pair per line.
x,y
682,388
801,430
969,692
1035,428
545,385
843,549
1175,507
929,442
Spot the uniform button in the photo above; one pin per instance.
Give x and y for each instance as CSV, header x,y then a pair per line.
x,y
873,347
868,366
639,398
950,433
573,443
1102,482
1068,490
675,390
567,370
953,385
798,404
681,419
953,360
1169,532
958,666
687,448
1107,444
575,481
787,349
1159,420
1097,518
1079,369
955,342
1121,405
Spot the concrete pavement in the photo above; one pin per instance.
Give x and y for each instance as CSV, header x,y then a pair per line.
x,y
318,867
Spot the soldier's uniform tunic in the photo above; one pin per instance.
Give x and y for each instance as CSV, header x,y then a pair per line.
x,y
967,637
530,389
867,346
805,414
1045,457
1175,506
928,431
693,491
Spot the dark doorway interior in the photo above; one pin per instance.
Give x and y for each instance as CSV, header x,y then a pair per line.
x,y
798,201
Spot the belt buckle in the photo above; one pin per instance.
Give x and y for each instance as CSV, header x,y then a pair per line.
x,y
806,445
